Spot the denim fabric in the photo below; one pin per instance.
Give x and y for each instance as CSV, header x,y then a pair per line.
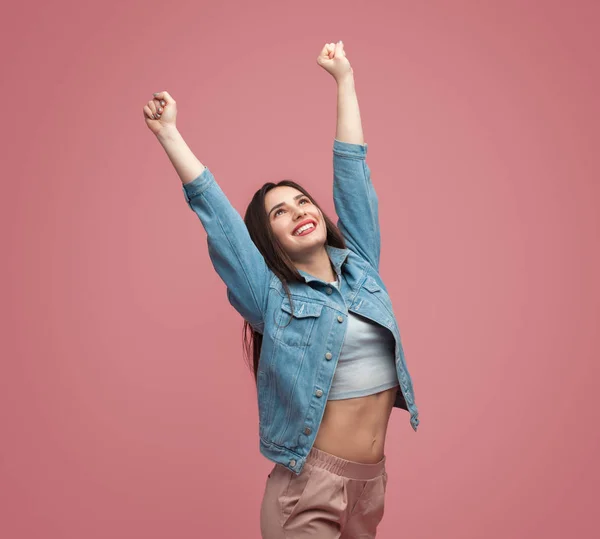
x,y
298,359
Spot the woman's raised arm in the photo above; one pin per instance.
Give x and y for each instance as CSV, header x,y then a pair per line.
x,y
354,196
332,59
233,254
160,114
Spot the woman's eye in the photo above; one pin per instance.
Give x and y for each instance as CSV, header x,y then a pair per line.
x,y
301,200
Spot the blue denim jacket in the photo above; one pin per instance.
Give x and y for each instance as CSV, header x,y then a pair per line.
x,y
298,359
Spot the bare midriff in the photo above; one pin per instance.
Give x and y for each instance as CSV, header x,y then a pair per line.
x,y
355,429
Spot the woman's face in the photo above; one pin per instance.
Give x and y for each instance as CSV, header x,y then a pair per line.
x,y
287,208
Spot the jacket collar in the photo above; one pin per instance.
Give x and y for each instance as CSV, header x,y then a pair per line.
x,y
337,257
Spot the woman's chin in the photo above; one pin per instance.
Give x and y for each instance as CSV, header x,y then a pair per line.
x,y
310,244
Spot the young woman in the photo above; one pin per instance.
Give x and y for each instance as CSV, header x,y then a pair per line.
x,y
327,356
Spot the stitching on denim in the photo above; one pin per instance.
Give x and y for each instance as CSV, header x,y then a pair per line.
x,y
352,156
205,184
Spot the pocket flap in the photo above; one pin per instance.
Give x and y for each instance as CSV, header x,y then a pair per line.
x,y
371,285
302,309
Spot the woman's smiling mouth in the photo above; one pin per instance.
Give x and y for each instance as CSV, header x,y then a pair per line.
x,y
305,229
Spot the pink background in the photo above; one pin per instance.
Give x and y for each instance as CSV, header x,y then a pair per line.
x,y
126,408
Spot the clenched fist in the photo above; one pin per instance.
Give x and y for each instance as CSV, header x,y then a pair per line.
x,y
333,60
160,112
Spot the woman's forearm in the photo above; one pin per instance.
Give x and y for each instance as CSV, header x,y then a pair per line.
x,y
349,125
186,164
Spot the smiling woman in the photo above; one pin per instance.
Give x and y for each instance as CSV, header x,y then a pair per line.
x,y
290,219
319,326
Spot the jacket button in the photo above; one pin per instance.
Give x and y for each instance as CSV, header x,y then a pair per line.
x,y
307,430
340,318
319,392
328,356
328,290
292,463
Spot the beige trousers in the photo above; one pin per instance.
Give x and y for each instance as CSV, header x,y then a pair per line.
x,y
332,498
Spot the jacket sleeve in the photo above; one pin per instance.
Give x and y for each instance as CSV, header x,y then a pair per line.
x,y
233,254
355,201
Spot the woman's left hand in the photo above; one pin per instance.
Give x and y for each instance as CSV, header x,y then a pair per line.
x,y
333,60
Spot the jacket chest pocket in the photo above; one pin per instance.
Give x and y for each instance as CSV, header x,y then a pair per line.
x,y
378,294
295,329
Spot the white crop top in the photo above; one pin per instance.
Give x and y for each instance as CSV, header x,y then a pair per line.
x,y
366,364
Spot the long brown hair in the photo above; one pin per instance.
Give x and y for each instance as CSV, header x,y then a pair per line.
x,y
276,258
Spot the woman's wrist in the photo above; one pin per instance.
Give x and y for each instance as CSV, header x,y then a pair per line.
x,y
346,79
168,132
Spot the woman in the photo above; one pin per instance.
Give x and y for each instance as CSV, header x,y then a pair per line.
x,y
327,355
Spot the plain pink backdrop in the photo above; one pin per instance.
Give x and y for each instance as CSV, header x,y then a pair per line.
x,y
126,407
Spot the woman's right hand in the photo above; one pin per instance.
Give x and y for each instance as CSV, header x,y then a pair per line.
x,y
160,112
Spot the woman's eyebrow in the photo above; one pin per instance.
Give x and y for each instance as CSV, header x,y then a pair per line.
x,y
282,203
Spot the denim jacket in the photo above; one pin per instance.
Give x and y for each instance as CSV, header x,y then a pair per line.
x,y
298,360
